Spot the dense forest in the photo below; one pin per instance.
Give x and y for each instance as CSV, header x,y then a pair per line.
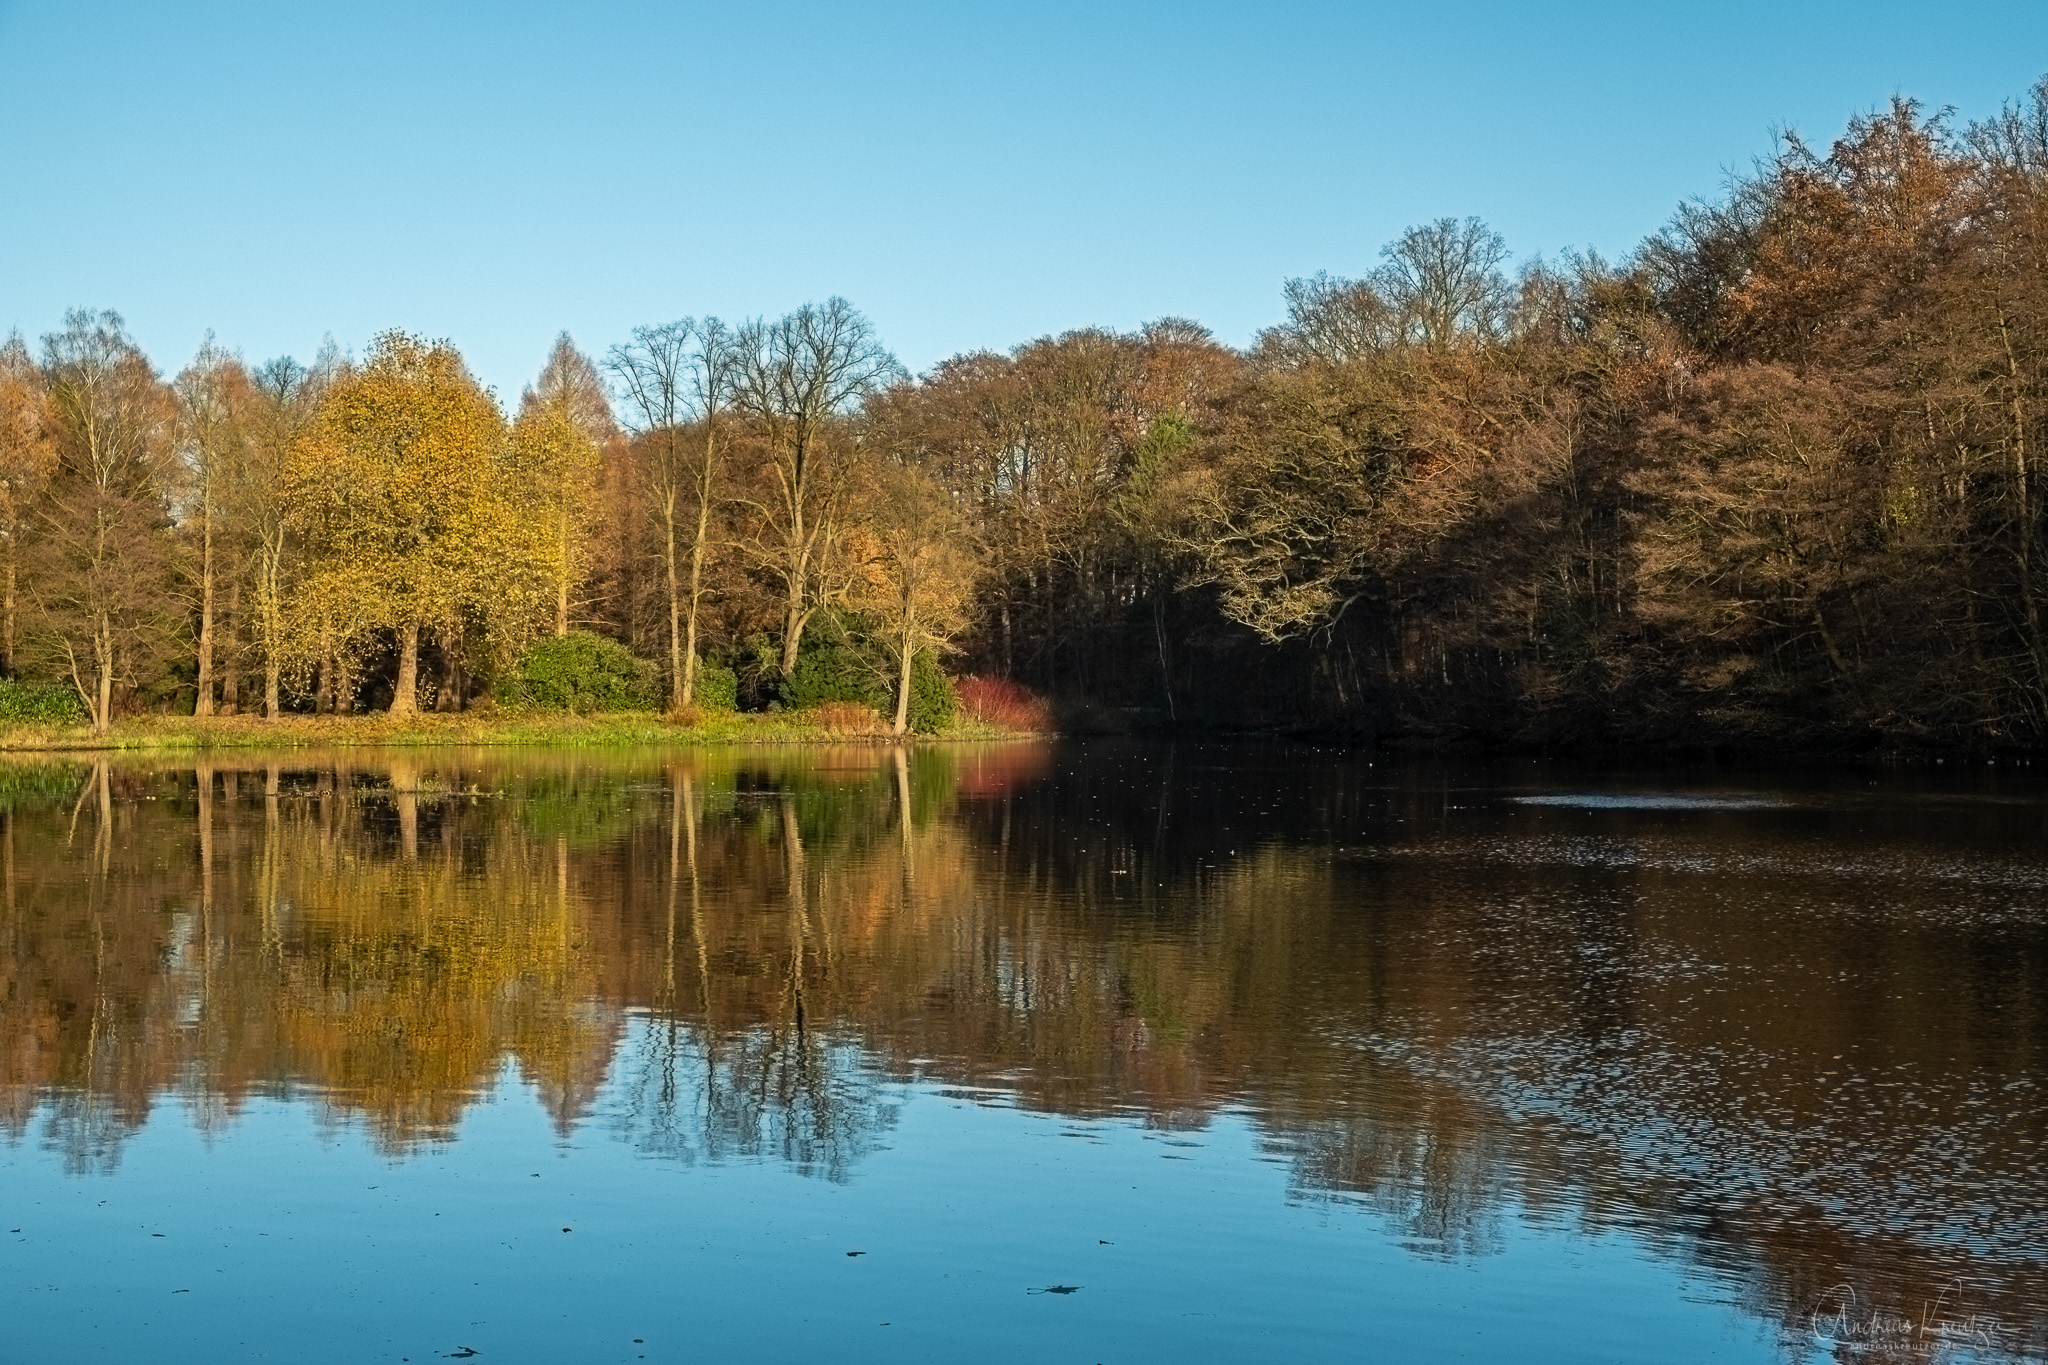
x,y
1769,481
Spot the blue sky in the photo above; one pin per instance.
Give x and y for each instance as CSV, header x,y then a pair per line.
x,y
969,175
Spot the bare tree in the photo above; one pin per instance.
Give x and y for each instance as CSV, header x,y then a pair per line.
x,y
799,378
673,377
1443,280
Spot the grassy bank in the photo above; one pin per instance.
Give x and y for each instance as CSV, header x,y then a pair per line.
x,y
619,729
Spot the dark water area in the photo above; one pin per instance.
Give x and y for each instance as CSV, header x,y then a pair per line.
x,y
1099,1052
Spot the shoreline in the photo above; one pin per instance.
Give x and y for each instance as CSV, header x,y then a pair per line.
x,y
644,729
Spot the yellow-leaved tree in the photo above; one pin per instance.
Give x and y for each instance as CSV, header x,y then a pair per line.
x,y
403,488
564,421
920,571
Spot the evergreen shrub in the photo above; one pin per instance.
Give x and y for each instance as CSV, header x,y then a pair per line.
x,y
835,671
718,687
581,673
933,703
23,703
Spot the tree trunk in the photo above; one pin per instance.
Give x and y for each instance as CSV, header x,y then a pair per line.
x,y
7,625
202,705
689,693
103,711
273,551
903,685
705,474
675,610
405,695
231,680
793,622
562,581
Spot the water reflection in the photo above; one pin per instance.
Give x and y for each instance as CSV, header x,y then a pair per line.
x,y
1796,1036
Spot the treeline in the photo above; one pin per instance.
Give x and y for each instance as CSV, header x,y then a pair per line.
x,y
1773,479
376,533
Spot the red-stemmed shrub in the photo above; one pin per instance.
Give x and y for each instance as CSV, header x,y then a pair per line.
x,y
1000,702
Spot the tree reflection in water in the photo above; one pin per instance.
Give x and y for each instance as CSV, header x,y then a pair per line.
x,y
1803,1045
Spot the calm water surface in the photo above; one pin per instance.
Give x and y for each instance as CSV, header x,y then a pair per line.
x,y
1102,1053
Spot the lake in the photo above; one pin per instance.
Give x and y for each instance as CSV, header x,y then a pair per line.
x,y
1096,1052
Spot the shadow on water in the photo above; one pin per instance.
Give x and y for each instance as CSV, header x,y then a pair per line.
x,y
1793,1031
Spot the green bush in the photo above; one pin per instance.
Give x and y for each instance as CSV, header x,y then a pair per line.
x,y
580,673
836,671
718,687
39,704
840,663
932,702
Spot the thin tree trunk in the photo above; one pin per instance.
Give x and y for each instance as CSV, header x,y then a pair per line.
x,y
562,581
405,695
103,715
202,705
795,573
231,680
1165,659
273,630
7,624
689,691
705,473
675,624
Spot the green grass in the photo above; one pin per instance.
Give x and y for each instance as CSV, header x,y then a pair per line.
x,y
537,729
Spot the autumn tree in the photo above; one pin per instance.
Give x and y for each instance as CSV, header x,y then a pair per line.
x,y
799,379
284,398
99,559
918,579
565,419
27,455
213,394
401,487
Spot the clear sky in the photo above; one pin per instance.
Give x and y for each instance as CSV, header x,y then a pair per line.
x,y
971,174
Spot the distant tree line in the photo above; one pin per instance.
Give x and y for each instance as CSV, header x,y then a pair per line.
x,y
1771,479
